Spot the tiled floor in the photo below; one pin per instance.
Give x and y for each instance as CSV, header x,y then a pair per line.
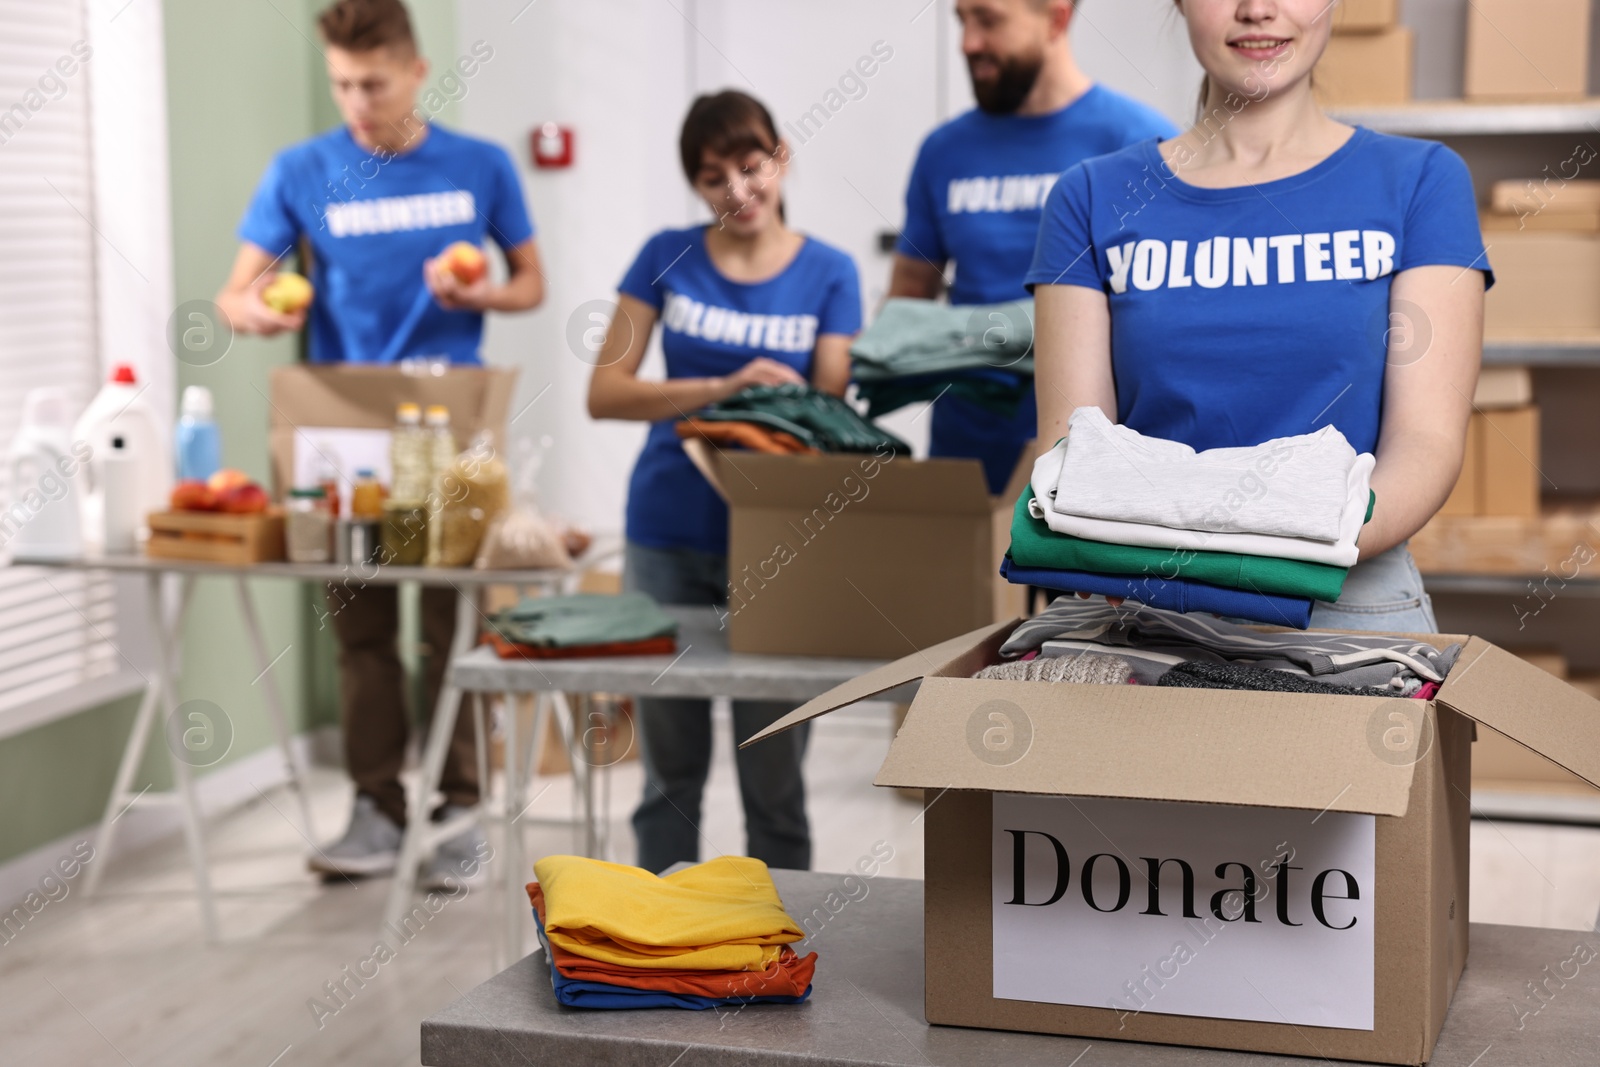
x,y
124,979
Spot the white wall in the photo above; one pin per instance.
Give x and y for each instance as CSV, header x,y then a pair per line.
x,y
622,72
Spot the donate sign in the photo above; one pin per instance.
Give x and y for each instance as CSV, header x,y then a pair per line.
x,y
1261,914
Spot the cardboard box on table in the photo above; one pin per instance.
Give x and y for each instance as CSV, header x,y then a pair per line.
x,y
860,555
1157,774
346,411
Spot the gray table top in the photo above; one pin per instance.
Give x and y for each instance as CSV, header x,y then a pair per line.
x,y
866,1008
702,667
370,574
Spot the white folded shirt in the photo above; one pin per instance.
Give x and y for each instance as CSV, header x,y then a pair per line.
x,y
1287,487
1340,553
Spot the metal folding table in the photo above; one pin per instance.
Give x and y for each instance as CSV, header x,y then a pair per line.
x,y
160,693
702,667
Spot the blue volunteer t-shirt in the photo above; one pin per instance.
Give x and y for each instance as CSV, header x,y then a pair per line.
x,y
1244,314
710,327
976,196
372,221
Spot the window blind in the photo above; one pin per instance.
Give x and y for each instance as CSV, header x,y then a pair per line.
x,y
56,627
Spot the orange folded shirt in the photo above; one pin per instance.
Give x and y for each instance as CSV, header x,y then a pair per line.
x,y
790,976
650,646
745,435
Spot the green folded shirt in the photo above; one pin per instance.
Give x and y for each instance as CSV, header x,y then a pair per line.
x,y
818,419
583,619
1034,544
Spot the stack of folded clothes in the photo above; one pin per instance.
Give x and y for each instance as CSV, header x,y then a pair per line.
x,y
788,419
921,349
583,624
1256,533
1167,648
707,936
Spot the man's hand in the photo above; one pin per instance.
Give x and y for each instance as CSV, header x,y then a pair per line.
x,y
451,293
248,313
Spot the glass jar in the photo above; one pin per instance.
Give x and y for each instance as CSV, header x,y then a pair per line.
x,y
308,526
366,498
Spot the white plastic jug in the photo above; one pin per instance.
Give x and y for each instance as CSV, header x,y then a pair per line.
x,y
143,463
41,518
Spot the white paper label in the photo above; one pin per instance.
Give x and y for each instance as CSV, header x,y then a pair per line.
x,y
1262,914
345,451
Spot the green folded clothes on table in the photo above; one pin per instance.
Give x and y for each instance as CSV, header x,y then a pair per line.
x,y
583,619
819,420
1034,544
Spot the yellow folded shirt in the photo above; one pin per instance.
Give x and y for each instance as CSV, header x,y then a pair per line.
x,y
721,915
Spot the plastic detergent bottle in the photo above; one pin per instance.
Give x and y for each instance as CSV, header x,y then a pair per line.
x,y
122,409
199,443
41,518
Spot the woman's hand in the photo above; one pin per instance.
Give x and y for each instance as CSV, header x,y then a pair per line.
x,y
759,371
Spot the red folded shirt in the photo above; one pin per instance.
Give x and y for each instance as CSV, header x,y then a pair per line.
x,y
650,646
789,977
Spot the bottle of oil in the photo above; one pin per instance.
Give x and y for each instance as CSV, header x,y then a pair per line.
x,y
404,540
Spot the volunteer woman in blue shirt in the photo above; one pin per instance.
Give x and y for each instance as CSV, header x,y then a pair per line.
x,y
744,300
1267,273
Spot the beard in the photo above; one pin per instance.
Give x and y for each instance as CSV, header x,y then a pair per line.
x,y
1007,91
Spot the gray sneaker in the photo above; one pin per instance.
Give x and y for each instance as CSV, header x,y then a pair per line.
x,y
370,845
458,860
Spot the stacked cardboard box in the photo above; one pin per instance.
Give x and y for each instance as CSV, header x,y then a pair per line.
x,y
1527,50
1500,471
1544,245
1368,59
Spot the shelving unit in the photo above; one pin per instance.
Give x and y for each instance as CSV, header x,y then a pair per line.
x,y
1585,353
1460,118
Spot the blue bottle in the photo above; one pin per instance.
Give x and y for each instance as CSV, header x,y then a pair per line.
x,y
199,444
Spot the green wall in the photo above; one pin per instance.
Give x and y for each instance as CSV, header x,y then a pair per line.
x,y
243,80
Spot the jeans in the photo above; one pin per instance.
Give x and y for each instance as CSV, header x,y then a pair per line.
x,y
1382,593
675,736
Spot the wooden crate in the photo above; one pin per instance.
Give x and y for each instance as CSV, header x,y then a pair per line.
x,y
215,537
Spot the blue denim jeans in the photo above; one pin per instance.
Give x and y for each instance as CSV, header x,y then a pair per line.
x,y
675,736
1381,593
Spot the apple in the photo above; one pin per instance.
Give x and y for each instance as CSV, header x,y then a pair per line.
x,y
247,499
227,478
192,494
287,294
465,261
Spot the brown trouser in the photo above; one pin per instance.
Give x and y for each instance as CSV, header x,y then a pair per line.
x,y
372,694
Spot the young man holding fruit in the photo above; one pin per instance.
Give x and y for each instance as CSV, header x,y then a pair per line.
x,y
389,210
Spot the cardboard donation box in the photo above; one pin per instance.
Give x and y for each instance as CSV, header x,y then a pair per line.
x,y
342,415
1278,873
862,556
